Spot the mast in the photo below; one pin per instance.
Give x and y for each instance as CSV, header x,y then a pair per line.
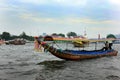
x,y
85,34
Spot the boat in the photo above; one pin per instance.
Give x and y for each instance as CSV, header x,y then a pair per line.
x,y
116,42
78,54
16,42
81,44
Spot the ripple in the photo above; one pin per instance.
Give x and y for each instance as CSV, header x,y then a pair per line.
x,y
29,72
53,65
113,77
3,79
112,68
40,77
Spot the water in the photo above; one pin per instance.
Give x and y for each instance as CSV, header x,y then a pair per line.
x,y
23,63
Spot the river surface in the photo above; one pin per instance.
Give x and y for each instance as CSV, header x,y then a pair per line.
x,y
21,62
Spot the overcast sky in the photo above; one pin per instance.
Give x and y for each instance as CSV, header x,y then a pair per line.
x,y
36,17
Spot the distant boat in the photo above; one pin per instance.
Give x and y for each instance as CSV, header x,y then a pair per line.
x,y
16,42
80,43
78,54
116,42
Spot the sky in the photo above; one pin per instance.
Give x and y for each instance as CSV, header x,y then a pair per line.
x,y
35,17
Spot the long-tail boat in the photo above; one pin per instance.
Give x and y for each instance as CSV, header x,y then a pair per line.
x,y
78,54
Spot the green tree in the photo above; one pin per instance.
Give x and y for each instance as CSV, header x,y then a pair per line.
x,y
111,36
62,35
23,35
6,36
14,36
73,34
54,34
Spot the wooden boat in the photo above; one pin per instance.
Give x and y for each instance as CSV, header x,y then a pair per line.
x,y
78,55
16,42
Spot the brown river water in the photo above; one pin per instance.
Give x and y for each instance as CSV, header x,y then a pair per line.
x,y
21,62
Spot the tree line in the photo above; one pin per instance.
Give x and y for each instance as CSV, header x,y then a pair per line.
x,y
8,36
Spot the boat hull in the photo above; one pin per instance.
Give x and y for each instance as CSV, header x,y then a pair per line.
x,y
69,56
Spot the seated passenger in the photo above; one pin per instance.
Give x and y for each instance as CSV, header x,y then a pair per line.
x,y
110,44
106,46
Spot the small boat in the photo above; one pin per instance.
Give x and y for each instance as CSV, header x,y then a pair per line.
x,y
77,54
81,44
16,42
116,42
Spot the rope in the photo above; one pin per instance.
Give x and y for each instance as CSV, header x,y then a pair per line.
x,y
57,45
60,49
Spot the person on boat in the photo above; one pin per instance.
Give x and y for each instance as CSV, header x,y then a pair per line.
x,y
110,44
37,45
106,46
